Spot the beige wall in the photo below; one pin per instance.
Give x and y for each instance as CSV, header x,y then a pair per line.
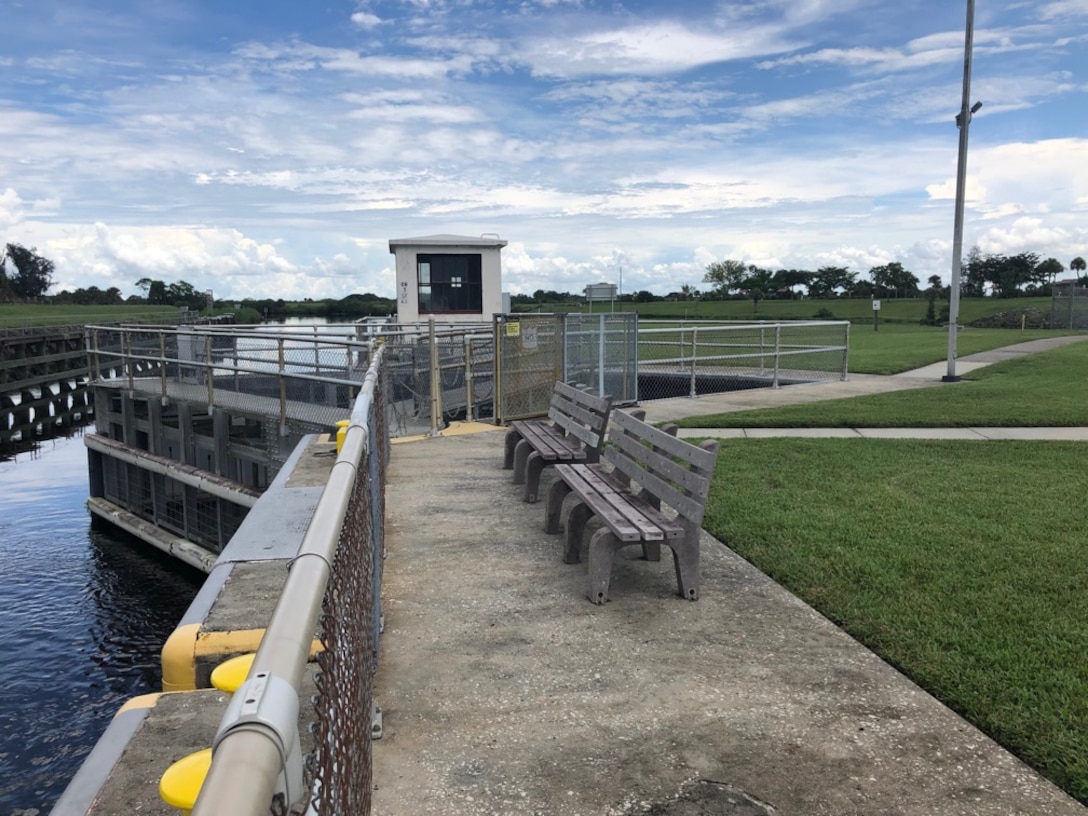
x,y
407,292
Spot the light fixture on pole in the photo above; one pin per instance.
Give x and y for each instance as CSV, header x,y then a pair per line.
x,y
963,122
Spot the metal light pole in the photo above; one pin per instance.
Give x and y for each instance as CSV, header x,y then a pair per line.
x,y
963,121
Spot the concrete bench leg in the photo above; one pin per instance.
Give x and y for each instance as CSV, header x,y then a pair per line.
x,y
512,438
576,527
602,546
533,468
553,508
685,558
521,457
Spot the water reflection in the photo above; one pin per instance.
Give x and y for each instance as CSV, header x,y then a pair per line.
x,y
87,609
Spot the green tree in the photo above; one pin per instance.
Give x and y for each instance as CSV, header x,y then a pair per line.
x,y
32,275
1009,274
894,278
154,291
757,284
974,269
828,281
1077,265
1046,271
787,279
726,277
932,293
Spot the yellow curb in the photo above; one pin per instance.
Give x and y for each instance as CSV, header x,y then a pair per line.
x,y
454,429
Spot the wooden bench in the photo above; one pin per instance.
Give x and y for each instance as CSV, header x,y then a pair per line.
x,y
666,470
575,433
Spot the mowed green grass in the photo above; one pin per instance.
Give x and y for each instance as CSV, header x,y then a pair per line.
x,y
1038,390
891,350
860,310
20,315
961,563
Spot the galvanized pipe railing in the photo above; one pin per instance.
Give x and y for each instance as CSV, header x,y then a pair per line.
x,y
250,752
694,350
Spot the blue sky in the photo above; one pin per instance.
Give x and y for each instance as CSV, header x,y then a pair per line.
x,y
272,149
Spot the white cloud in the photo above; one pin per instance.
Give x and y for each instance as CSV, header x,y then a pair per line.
x,y
648,49
11,209
366,20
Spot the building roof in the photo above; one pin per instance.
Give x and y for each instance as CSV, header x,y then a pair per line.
x,y
445,240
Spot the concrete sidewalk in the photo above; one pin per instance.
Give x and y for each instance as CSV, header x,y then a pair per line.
x,y
505,691
856,385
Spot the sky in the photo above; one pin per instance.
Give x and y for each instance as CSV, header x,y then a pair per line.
x,y
273,148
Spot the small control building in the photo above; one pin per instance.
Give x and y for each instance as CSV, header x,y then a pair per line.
x,y
453,278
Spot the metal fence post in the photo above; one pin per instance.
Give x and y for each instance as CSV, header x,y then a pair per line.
x,y
601,351
94,352
162,364
845,353
694,353
210,371
283,389
129,362
777,351
469,396
436,379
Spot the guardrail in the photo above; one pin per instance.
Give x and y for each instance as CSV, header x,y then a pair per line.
x,y
332,588
771,354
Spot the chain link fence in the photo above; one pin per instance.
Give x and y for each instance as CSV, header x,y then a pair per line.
x,y
439,374
689,360
1069,308
339,773
333,588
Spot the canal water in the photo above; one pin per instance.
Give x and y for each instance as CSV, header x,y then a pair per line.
x,y
84,611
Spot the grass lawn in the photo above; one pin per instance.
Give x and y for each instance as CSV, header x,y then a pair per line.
x,y
859,310
15,315
1046,389
897,348
961,563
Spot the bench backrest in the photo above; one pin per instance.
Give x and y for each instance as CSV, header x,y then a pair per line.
x,y
580,414
670,469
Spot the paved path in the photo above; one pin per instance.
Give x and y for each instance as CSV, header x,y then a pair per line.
x,y
857,385
506,692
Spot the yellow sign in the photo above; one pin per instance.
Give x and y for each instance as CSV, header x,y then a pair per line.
x,y
513,329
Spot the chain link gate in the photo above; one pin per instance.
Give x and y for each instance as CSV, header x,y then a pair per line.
x,y
528,361
601,354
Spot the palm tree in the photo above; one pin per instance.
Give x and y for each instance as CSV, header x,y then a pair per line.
x,y
1077,265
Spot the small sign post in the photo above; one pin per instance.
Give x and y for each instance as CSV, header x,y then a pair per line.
x,y
876,314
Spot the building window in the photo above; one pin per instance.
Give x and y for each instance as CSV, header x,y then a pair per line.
x,y
450,284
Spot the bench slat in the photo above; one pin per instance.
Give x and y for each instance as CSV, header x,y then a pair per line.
x,y
574,428
591,401
550,444
629,517
702,460
678,482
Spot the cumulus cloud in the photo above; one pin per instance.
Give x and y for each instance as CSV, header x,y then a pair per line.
x,y
366,20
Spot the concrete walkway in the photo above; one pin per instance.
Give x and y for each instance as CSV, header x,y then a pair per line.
x,y
505,691
857,385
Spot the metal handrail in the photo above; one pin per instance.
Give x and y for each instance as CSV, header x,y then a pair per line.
x,y
247,762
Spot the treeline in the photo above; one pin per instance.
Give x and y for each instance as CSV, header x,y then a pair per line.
x,y
981,275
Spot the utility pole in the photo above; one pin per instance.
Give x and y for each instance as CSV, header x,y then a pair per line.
x,y
963,121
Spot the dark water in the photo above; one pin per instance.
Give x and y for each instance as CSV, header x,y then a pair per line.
x,y
84,611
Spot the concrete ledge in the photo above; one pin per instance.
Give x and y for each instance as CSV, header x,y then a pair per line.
x,y
229,615
148,734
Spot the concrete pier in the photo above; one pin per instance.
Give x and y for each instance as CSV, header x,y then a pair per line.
x,y
505,691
